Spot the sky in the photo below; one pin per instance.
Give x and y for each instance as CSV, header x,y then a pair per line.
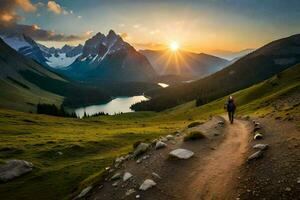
x,y
197,25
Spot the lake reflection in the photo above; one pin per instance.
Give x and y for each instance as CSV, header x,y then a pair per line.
x,y
117,105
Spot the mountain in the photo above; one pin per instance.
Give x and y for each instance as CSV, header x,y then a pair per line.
x,y
49,57
110,58
231,55
24,83
251,69
183,63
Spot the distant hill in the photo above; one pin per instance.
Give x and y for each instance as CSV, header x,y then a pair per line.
x,y
109,58
253,68
183,63
231,55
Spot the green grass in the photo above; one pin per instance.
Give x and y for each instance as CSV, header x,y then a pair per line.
x,y
91,144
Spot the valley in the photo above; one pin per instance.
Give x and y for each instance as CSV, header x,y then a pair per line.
x,y
150,100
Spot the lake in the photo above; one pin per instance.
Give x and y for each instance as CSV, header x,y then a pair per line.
x,y
163,85
117,105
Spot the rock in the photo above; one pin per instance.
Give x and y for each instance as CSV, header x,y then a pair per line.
x,y
156,175
145,157
137,196
261,146
288,189
138,161
256,124
148,183
177,134
130,192
115,184
298,180
181,153
13,169
60,153
116,176
163,139
257,136
170,137
141,148
127,176
256,129
160,145
256,155
84,192
221,123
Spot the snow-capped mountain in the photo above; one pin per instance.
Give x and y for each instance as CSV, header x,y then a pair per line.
x,y
110,58
49,57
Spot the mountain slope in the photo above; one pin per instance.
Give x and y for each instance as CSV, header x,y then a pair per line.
x,y
110,58
24,83
231,55
184,63
48,57
253,68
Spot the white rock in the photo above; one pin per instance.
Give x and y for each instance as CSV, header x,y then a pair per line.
x,y
115,184
148,183
84,192
130,191
258,136
170,137
141,148
163,139
145,157
256,155
156,175
59,153
160,145
116,176
261,146
181,153
137,196
14,168
127,176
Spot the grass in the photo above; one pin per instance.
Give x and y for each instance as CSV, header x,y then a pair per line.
x,y
89,145
194,124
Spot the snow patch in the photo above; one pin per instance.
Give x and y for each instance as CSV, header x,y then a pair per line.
x,y
61,61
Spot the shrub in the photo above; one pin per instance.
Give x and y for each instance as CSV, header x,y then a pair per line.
x,y
195,135
193,124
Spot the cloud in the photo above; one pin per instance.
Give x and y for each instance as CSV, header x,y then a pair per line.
x,y
88,33
136,26
7,10
54,7
150,45
124,36
39,34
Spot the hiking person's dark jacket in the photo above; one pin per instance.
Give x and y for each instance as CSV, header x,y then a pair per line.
x,y
231,106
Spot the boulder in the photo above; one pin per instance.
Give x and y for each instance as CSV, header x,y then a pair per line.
x,y
181,153
130,191
148,183
116,176
257,136
84,192
221,123
13,169
261,146
140,149
127,176
256,155
160,145
170,137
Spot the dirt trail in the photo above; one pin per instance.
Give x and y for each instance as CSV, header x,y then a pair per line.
x,y
215,180
210,174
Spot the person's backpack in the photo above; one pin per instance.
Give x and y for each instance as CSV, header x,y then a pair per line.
x,y
230,106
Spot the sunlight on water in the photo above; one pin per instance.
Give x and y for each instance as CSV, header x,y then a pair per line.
x,y
117,105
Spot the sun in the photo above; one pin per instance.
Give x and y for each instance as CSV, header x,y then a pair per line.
x,y
174,46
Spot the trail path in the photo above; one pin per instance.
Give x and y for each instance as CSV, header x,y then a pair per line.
x,y
215,179
211,174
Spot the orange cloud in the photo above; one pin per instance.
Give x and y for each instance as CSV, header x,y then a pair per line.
x,y
26,5
54,7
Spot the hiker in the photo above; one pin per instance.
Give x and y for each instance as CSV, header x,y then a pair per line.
x,y
230,107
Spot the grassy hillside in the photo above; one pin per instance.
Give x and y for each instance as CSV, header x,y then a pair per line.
x,y
251,69
91,144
